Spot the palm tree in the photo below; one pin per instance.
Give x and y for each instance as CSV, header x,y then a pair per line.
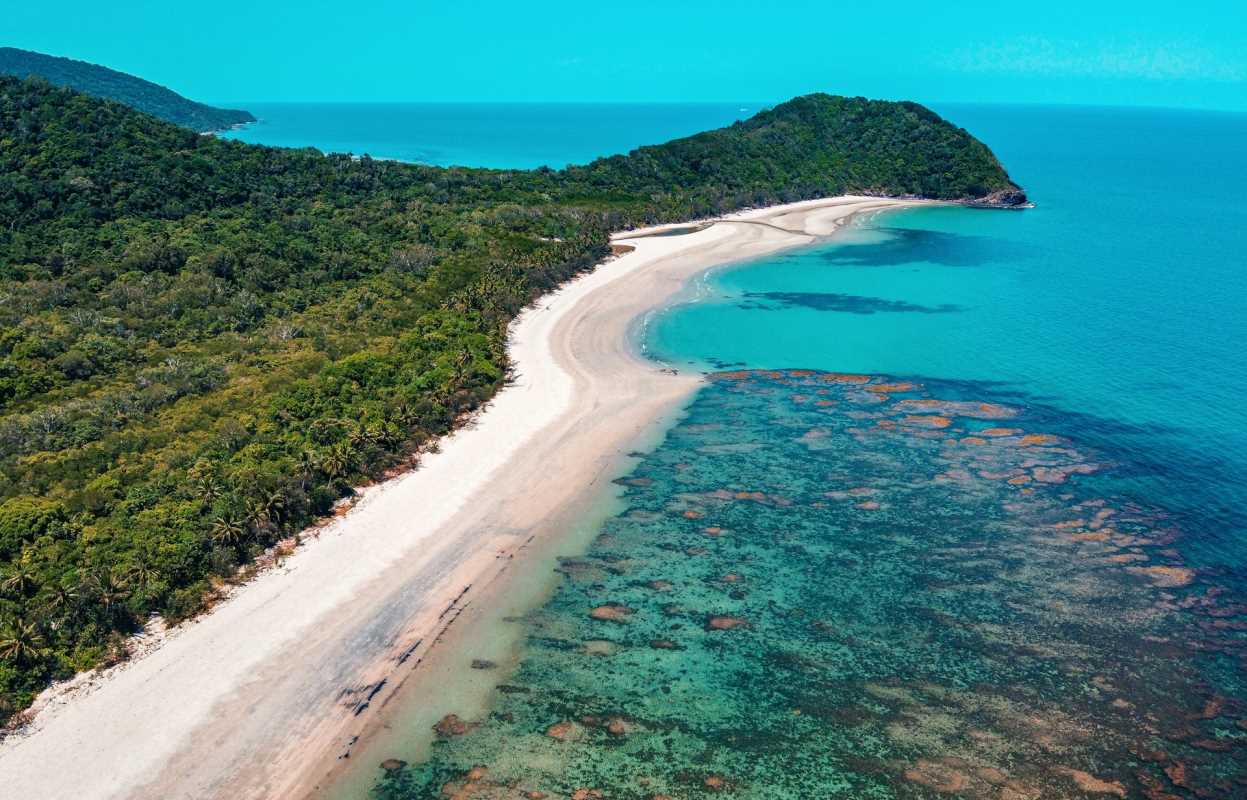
x,y
360,437
20,580
387,435
405,415
275,506
110,591
208,486
211,488
62,600
308,466
338,462
21,641
229,530
255,517
142,574
462,362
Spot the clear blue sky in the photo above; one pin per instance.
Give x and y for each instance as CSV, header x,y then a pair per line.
x,y
1142,52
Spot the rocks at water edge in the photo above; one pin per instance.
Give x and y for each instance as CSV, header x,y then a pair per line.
x,y
1002,198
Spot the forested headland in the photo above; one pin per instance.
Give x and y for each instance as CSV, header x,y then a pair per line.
x,y
110,84
205,344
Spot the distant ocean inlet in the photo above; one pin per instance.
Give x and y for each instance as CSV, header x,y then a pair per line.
x,y
960,511
520,136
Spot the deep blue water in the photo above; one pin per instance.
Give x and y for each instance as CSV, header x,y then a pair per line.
x,y
960,514
519,135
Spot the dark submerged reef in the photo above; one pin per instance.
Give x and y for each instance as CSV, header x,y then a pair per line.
x,y
205,344
830,585
841,303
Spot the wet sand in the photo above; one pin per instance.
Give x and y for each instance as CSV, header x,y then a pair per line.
x,y
266,695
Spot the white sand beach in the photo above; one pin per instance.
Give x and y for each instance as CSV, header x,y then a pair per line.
x,y
261,697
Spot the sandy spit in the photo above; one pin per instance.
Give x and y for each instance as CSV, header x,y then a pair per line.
x,y
263,696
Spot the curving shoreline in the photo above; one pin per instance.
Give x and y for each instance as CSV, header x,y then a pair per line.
x,y
262,697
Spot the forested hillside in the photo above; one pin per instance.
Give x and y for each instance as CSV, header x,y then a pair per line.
x,y
98,81
205,344
814,146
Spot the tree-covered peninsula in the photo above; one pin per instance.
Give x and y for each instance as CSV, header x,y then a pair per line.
x,y
204,344
110,84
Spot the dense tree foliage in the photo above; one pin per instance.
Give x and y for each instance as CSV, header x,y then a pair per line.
x,y
205,344
812,146
135,92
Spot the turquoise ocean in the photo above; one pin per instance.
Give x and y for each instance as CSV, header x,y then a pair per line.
x,y
512,136
961,511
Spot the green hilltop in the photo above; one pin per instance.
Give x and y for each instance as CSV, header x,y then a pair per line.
x,y
137,93
204,344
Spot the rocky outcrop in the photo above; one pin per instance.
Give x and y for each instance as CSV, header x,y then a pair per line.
x,y
1003,198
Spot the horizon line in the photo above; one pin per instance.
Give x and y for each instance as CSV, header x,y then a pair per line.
x,y
762,104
